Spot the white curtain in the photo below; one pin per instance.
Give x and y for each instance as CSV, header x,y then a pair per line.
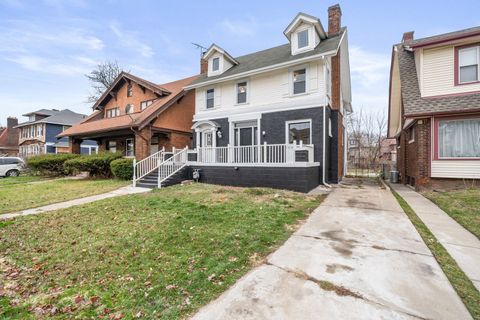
x,y
459,138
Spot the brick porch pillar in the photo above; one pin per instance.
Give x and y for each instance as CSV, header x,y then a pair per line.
x,y
423,152
142,143
74,145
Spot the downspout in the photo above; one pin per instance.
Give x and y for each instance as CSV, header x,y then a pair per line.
x,y
324,182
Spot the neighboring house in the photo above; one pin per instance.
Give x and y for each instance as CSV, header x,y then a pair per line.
x,y
9,138
434,107
138,118
388,151
275,118
39,134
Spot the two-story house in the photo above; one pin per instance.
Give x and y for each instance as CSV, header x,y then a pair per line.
x,y
434,108
275,118
138,118
38,135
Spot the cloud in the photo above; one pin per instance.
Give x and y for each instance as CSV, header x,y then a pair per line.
x,y
370,72
131,40
239,27
72,65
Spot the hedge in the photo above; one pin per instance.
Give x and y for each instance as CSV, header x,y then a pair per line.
x,y
50,164
97,165
122,168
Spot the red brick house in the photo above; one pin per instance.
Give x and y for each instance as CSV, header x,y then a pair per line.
x,y
138,117
9,138
434,108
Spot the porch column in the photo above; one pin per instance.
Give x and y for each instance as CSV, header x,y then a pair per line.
x,y
214,137
74,145
142,143
197,138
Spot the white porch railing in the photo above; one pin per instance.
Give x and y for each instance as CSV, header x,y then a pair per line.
x,y
147,165
256,154
172,165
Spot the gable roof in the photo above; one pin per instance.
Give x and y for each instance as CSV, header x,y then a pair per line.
x,y
450,36
43,112
62,117
271,57
138,120
414,104
217,48
303,17
125,75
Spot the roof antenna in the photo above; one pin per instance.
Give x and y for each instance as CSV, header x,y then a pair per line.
x,y
200,47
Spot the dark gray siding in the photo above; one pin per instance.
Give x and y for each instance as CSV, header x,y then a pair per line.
x,y
224,128
333,149
296,179
52,130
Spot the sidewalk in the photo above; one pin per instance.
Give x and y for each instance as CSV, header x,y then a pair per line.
x,y
62,205
356,257
463,246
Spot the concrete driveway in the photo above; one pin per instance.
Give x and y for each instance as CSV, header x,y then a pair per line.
x,y
357,257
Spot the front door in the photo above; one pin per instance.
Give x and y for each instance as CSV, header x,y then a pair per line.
x,y
245,141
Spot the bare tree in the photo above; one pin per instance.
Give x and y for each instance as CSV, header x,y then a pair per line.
x,y
101,78
366,131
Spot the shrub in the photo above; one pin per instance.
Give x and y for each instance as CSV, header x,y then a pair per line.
x,y
122,168
50,164
97,165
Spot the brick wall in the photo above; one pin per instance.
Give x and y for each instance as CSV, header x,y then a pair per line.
x,y
414,156
122,100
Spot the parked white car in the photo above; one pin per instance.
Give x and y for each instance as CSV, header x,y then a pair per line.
x,y
11,166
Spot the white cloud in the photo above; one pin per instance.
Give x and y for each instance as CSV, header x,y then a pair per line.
x,y
131,40
370,78
71,65
239,27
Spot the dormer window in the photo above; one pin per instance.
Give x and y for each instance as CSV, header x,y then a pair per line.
x,y
469,64
215,64
302,38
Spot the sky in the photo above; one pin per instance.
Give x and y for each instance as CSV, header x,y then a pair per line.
x,y
47,46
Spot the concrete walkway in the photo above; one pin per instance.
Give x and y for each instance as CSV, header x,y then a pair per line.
x,y
67,204
357,257
462,245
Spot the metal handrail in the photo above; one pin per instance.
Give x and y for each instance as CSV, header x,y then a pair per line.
x,y
147,165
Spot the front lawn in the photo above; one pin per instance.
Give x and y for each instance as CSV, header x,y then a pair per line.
x,y
20,196
7,181
463,206
158,255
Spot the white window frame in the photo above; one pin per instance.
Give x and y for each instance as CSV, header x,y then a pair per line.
x,y
307,82
307,31
477,48
236,92
126,147
206,99
412,138
311,39
287,123
213,64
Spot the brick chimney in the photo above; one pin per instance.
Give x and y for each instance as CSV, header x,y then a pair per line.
x,y
334,19
12,133
407,37
203,66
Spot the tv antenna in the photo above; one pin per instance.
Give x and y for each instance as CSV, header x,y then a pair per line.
x,y
200,47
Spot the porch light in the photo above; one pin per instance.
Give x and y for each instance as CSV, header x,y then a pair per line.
x,y
219,134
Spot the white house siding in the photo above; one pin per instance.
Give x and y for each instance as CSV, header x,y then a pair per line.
x,y
438,73
461,169
268,91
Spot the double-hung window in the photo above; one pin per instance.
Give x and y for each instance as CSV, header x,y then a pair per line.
x,y
459,138
302,38
129,90
210,98
145,104
112,146
242,92
299,131
299,81
129,148
215,64
469,64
